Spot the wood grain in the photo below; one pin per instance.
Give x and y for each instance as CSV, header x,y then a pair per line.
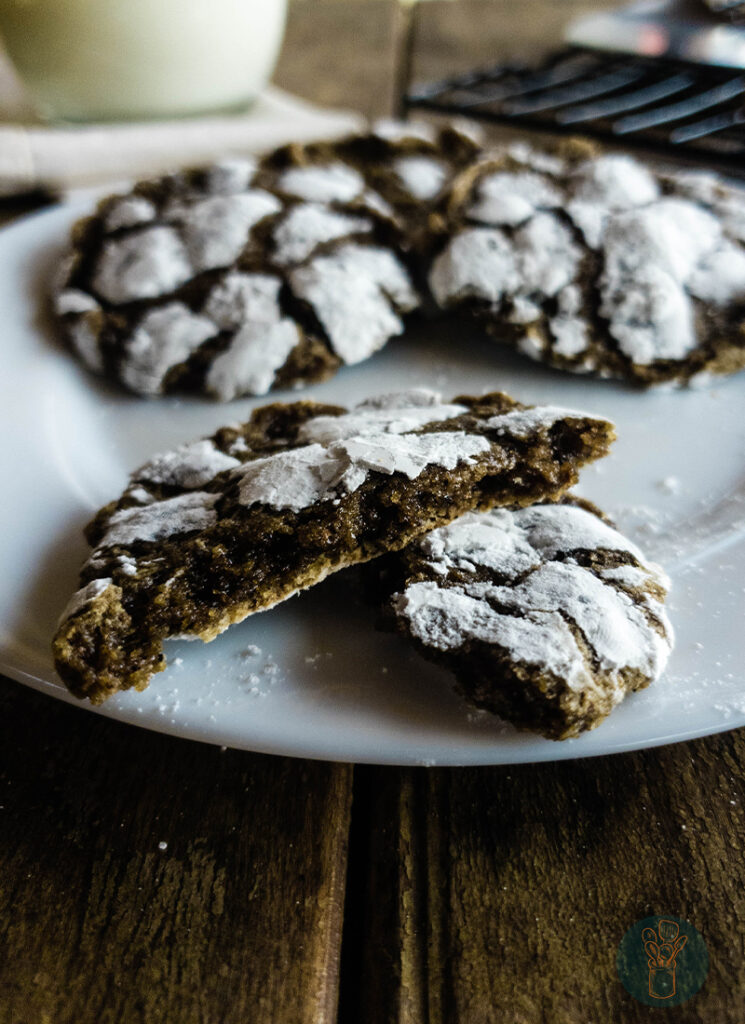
x,y
505,891
237,919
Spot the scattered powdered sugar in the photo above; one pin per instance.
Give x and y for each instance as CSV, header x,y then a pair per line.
x,y
84,596
249,364
142,265
422,176
670,485
322,183
216,230
304,476
194,510
190,465
307,226
354,292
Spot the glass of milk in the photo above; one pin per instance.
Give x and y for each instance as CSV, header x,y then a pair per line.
x,y
85,60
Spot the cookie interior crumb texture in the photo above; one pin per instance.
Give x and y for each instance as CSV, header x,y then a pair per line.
x,y
218,529
546,615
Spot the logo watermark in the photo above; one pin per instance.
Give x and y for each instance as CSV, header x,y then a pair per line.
x,y
662,961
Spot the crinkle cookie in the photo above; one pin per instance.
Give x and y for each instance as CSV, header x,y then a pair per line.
x,y
546,615
598,264
233,280
230,525
399,168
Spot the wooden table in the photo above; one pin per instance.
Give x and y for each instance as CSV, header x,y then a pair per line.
x,y
148,879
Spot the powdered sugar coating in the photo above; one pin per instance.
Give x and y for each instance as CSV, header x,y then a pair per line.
x,y
391,130
215,230
322,183
666,246
655,259
569,327
507,197
84,596
305,476
188,466
355,292
159,520
606,185
164,338
520,582
84,340
249,365
536,262
448,620
141,265
422,176
478,263
129,211
308,225
389,419
524,422
230,175
616,629
238,298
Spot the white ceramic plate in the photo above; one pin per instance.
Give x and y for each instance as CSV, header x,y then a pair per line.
x,y
313,678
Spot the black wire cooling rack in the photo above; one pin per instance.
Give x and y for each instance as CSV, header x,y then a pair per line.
x,y
663,105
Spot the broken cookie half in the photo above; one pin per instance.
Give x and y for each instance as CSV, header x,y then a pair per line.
x,y
547,615
207,534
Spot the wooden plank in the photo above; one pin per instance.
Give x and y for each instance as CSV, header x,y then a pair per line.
x,y
499,895
238,918
340,54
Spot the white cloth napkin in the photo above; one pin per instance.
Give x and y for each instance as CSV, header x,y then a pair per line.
x,y
65,157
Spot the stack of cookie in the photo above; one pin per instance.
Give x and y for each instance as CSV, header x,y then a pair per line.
x,y
242,277
545,613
